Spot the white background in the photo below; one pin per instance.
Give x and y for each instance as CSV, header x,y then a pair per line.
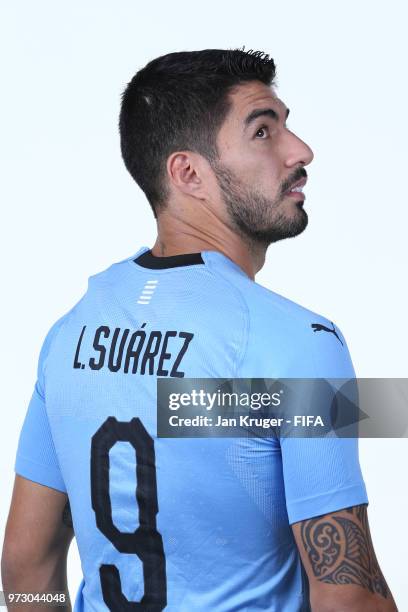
x,y
69,208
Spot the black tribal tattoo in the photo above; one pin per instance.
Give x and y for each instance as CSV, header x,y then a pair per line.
x,y
340,550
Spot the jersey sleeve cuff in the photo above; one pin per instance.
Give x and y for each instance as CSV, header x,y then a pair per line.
x,y
42,474
309,507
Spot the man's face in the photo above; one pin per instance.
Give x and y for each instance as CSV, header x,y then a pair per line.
x,y
259,160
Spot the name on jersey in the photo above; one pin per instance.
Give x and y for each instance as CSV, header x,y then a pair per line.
x,y
155,353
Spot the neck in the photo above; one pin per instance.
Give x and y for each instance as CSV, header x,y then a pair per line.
x,y
175,237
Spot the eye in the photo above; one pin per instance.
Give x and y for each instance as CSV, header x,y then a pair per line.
x,y
261,129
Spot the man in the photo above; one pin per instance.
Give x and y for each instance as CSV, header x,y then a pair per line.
x,y
193,524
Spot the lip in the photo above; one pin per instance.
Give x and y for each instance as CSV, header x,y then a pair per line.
x,y
296,194
300,183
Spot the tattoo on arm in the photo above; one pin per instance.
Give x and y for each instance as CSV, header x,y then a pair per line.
x,y
66,515
340,550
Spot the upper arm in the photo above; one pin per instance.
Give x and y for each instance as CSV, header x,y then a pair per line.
x,y
37,530
326,497
338,555
321,474
36,457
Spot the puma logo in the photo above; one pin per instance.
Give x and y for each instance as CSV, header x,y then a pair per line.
x,y
319,327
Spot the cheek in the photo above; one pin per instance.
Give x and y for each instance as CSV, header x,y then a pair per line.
x,y
261,174
254,166
262,159
251,167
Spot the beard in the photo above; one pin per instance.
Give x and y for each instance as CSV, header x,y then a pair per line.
x,y
255,217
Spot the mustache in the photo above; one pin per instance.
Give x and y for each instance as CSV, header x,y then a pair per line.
x,y
300,173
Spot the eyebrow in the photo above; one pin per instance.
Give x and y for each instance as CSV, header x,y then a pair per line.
x,y
263,112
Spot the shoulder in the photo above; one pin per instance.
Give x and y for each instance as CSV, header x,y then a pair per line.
x,y
304,342
56,326
268,308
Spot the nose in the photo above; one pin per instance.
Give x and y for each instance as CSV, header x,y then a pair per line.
x,y
298,152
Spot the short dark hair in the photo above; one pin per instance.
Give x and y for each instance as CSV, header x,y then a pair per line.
x,y
179,101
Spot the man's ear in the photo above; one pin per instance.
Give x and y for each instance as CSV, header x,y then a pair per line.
x,y
185,172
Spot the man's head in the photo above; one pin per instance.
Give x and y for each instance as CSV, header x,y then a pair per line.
x,y
192,130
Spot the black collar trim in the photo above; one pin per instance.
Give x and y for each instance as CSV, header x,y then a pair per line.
x,y
148,260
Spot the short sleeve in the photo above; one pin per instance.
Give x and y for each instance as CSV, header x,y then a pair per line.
x,y
323,475
36,458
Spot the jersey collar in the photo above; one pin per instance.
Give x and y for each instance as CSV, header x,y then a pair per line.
x,y
148,260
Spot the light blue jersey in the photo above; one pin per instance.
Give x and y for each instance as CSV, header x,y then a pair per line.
x,y
193,524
